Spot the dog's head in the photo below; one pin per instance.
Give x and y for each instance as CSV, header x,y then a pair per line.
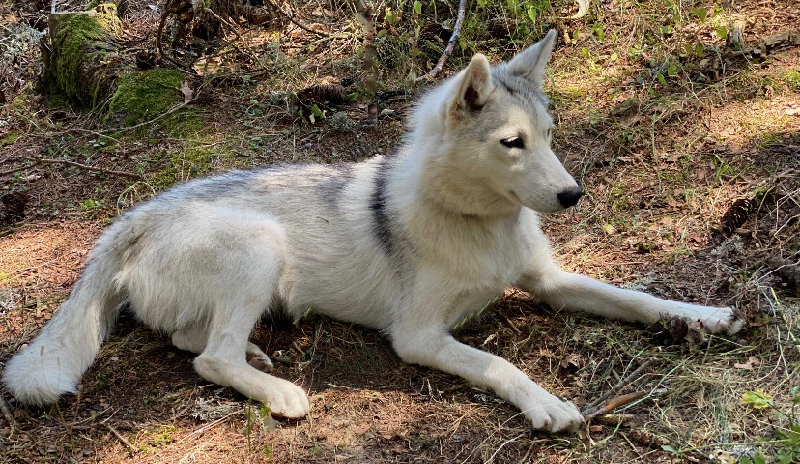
x,y
497,131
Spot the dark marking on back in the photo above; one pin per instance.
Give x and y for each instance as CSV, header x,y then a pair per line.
x,y
382,227
332,187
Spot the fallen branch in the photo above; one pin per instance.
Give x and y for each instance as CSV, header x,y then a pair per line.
x,y
7,413
232,27
592,408
131,449
614,403
295,22
370,59
168,10
448,50
38,161
21,168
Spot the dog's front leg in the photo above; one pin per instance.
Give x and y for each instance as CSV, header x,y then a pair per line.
x,y
418,337
561,289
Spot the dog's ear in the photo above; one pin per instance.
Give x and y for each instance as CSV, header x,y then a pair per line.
x,y
531,62
475,86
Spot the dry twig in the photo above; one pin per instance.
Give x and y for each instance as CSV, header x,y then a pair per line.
x,y
232,27
7,413
370,58
294,21
593,408
615,403
131,449
38,161
448,50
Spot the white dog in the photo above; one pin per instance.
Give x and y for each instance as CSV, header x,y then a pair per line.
x,y
408,244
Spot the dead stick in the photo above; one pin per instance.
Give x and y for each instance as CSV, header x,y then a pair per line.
x,y
38,161
21,168
7,413
90,168
232,27
296,23
509,323
169,111
448,50
615,403
364,15
160,31
131,448
625,381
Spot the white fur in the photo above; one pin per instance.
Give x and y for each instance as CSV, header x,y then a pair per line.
x,y
409,244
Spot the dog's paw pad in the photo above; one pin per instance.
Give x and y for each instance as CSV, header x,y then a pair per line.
x,y
260,362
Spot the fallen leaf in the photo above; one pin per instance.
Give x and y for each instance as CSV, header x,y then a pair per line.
x,y
571,360
188,93
758,399
752,361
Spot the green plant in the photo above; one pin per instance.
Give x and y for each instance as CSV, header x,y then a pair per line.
x,y
786,442
90,205
262,417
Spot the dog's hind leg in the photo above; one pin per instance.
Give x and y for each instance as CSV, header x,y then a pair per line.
x,y
561,289
222,361
194,340
246,276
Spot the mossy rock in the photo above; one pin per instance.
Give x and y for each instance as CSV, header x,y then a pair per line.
x,y
143,95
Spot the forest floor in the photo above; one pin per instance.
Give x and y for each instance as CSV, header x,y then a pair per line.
x,y
688,148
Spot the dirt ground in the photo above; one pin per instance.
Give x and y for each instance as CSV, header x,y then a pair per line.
x,y
685,139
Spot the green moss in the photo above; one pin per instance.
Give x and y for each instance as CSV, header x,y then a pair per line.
x,y
151,440
8,139
792,78
108,18
72,39
182,124
144,95
193,162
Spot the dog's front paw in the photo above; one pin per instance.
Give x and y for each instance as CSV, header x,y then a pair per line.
x,y
554,415
718,320
287,400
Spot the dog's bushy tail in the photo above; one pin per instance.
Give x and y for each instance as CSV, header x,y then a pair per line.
x,y
55,361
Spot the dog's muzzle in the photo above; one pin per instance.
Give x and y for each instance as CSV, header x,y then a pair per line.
x,y
568,197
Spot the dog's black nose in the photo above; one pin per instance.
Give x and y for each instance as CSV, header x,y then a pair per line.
x,y
570,196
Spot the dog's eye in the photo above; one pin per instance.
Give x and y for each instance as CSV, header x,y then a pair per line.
x,y
513,142
549,132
